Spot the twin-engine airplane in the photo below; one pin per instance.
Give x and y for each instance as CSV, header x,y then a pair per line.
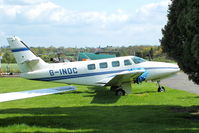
x,y
118,73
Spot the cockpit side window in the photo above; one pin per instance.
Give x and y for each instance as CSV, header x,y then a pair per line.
x,y
138,60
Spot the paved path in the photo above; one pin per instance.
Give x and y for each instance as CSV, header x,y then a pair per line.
x,y
180,81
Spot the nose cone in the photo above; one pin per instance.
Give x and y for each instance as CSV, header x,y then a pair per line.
x,y
177,68
169,69
160,70
174,68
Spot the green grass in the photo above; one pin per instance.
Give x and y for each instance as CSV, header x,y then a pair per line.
x,y
10,68
95,109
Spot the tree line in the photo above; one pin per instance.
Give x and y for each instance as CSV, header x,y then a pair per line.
x,y
49,53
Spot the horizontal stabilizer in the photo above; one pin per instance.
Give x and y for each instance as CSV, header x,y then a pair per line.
x,y
33,93
31,62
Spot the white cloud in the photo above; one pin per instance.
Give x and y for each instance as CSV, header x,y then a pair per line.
x,y
2,33
153,12
40,10
41,18
154,7
49,12
22,2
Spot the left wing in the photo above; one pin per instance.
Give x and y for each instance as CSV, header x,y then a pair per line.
x,y
33,93
123,77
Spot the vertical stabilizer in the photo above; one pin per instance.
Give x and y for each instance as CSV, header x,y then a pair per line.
x,y
26,60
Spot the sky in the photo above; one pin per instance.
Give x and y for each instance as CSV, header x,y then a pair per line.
x,y
85,23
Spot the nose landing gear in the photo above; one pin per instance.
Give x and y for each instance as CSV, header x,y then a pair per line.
x,y
160,88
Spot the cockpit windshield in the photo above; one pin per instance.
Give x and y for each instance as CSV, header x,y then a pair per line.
x,y
138,60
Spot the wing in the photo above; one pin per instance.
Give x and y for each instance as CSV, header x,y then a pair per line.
x,y
123,77
33,93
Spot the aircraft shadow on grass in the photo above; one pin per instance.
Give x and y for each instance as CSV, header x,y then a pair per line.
x,y
144,92
143,118
101,95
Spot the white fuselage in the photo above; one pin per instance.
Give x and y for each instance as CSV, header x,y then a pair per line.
x,y
91,72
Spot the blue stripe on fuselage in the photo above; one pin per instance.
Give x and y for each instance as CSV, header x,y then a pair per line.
x,y
97,73
147,68
19,49
77,75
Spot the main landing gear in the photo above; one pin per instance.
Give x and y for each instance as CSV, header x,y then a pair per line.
x,y
121,90
160,88
118,90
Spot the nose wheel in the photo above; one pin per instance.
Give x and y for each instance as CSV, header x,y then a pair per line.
x,y
160,88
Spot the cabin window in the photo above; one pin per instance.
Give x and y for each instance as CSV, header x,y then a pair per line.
x,y
103,65
91,67
115,63
127,62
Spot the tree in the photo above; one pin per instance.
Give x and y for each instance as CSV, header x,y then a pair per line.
x,y
181,36
8,58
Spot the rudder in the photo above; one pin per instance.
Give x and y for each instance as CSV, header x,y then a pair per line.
x,y
25,58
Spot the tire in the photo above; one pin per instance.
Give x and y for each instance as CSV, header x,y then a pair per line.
x,y
120,92
161,89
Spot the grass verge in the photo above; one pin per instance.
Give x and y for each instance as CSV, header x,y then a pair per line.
x,y
96,109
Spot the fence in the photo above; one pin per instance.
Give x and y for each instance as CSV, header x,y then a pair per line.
x,y
9,68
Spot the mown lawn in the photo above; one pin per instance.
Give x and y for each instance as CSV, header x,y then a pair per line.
x,y
94,109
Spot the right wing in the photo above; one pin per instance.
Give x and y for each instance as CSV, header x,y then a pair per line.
x,y
124,77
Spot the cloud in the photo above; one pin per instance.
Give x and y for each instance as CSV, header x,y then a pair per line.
x,y
22,2
49,12
2,33
42,11
43,19
154,7
152,13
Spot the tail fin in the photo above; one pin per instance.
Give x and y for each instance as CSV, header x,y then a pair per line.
x,y
26,60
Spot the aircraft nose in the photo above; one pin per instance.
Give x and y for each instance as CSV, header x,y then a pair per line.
x,y
177,67
174,68
160,70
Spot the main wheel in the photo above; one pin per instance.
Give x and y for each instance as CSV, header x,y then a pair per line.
x,y
161,89
120,92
